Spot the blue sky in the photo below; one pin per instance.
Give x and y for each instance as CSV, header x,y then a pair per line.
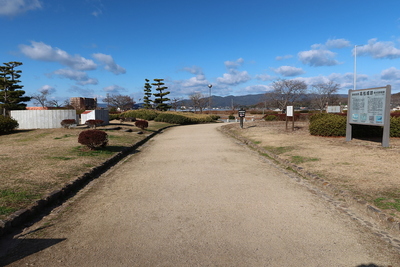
x,y
89,48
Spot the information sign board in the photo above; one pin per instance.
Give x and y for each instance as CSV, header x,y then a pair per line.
x,y
333,109
367,106
289,111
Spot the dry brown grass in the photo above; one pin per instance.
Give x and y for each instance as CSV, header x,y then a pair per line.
x,y
36,162
362,167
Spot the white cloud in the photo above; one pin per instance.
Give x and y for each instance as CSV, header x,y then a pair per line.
x,y
114,89
288,71
318,57
390,74
43,52
50,89
378,49
337,43
79,76
15,7
198,81
264,77
110,64
234,77
234,64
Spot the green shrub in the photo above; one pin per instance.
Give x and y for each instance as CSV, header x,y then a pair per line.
x,y
395,127
7,124
270,118
144,114
215,117
114,116
327,125
174,119
93,139
231,117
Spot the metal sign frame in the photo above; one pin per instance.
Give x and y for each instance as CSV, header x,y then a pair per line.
x,y
369,107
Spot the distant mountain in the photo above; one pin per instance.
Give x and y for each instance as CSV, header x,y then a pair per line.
x,y
245,100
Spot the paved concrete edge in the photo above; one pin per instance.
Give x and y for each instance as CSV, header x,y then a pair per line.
x,y
384,220
58,196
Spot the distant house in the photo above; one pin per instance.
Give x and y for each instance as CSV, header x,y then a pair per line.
x,y
83,103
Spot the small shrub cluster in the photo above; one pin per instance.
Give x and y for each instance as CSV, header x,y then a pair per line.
x,y
231,117
94,123
142,124
270,118
215,117
68,123
173,118
144,114
7,124
327,125
93,139
395,126
114,116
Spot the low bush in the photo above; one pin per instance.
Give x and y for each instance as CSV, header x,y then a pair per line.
x,y
114,116
327,125
231,117
7,124
174,119
142,124
94,123
68,123
395,127
215,117
93,139
144,114
270,118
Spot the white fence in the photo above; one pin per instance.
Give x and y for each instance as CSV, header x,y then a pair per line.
x,y
95,115
42,119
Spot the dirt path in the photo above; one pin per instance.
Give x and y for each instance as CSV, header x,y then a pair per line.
x,y
193,197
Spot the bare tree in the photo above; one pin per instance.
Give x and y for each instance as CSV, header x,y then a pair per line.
x,y
122,102
55,103
199,101
286,92
324,93
41,98
176,102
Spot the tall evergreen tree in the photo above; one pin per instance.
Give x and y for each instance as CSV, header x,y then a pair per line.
x,y
147,94
160,99
11,95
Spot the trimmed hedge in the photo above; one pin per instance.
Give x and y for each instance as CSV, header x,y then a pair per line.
x,y
7,124
323,124
174,119
144,114
327,125
270,118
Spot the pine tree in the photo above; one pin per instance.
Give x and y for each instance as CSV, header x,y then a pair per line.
x,y
11,95
160,98
147,94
